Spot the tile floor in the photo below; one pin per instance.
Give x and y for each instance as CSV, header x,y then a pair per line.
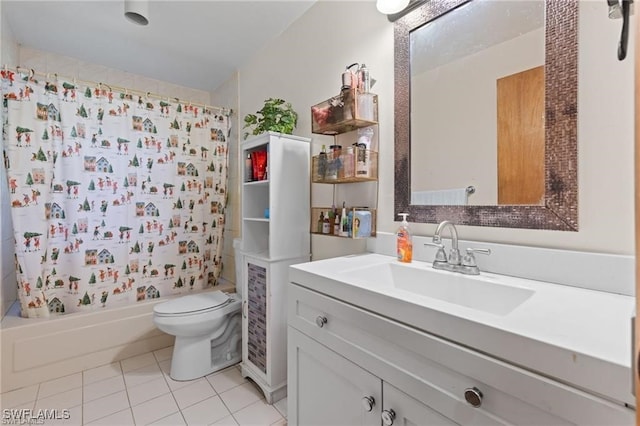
x,y
139,391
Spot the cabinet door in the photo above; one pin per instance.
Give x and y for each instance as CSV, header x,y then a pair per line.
x,y
255,317
401,409
327,389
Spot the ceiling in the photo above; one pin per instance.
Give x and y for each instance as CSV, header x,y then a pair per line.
x,y
196,44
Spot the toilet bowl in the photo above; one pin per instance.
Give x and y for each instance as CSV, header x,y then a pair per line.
x,y
208,332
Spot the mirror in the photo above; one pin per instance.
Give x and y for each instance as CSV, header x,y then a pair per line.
x,y
444,66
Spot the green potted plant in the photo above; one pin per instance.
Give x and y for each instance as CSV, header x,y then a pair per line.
x,y
276,115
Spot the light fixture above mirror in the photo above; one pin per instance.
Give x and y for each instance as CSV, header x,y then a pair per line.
x,y
389,7
137,11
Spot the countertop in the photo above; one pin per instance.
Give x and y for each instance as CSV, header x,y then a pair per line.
x,y
576,336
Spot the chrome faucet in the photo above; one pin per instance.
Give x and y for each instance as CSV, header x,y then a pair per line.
x,y
453,262
454,253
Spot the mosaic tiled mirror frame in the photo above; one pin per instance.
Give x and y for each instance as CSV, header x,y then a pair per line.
x,y
560,208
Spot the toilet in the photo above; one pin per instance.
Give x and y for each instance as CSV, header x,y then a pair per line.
x,y
208,332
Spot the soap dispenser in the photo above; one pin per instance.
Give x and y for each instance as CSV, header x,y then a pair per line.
x,y
404,241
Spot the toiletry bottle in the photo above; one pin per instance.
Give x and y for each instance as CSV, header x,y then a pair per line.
x,y
404,241
248,172
322,163
326,224
331,216
336,223
364,145
320,223
344,228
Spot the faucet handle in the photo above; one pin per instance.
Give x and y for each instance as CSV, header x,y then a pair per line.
x,y
470,260
441,256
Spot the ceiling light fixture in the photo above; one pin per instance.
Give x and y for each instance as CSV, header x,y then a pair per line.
x,y
389,7
137,11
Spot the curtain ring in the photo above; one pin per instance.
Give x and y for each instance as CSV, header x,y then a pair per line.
x,y
32,73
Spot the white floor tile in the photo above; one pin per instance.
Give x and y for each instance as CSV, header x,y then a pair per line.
x,y
62,400
258,413
121,418
163,354
101,373
71,417
146,391
142,375
175,419
281,406
176,384
165,366
227,421
227,379
281,422
138,361
19,397
205,412
62,384
105,406
103,388
241,396
195,392
154,409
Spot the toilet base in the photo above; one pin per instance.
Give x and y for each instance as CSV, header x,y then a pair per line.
x,y
195,357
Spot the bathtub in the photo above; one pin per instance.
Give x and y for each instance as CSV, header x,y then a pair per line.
x,y
36,350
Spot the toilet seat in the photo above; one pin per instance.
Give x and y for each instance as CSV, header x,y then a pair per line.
x,y
192,304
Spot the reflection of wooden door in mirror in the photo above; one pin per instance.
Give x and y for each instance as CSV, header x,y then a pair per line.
x,y
520,99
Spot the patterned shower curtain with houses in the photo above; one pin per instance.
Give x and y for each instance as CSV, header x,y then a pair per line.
x,y
115,198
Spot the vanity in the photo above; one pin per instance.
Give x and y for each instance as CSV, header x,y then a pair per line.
x,y
374,341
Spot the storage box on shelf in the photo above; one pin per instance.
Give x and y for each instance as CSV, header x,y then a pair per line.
x,y
345,112
360,222
351,165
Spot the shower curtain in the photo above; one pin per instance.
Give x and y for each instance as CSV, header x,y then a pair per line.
x,y
115,198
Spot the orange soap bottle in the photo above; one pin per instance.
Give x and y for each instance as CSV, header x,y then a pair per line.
x,y
404,241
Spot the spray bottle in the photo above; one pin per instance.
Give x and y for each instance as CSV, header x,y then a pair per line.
x,y
404,241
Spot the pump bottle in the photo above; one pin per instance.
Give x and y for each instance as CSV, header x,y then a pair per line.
x,y
404,241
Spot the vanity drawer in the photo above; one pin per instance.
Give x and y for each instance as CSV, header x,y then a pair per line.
x,y
437,372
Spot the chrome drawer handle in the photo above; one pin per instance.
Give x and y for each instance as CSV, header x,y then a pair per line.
x,y
388,416
368,402
321,321
473,396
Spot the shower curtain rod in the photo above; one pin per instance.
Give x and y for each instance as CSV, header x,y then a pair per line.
x,y
32,73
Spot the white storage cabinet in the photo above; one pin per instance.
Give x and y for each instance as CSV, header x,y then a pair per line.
x,y
272,240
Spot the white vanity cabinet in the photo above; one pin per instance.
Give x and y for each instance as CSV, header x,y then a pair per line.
x,y
413,376
275,235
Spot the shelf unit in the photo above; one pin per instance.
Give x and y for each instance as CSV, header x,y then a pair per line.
x,y
339,116
275,235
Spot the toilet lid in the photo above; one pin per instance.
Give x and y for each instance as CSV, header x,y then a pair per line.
x,y
192,303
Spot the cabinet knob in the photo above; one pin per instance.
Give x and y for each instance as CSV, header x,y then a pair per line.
x,y
388,416
368,402
473,396
321,321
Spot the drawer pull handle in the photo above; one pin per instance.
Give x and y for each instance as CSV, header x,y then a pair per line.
x,y
244,308
473,396
388,416
368,402
321,321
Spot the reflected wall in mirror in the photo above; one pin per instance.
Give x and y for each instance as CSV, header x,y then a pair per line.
x,y
486,101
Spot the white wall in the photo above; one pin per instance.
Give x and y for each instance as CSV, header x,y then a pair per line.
x,y
304,65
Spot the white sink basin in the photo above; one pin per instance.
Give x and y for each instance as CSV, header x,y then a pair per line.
x,y
488,294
